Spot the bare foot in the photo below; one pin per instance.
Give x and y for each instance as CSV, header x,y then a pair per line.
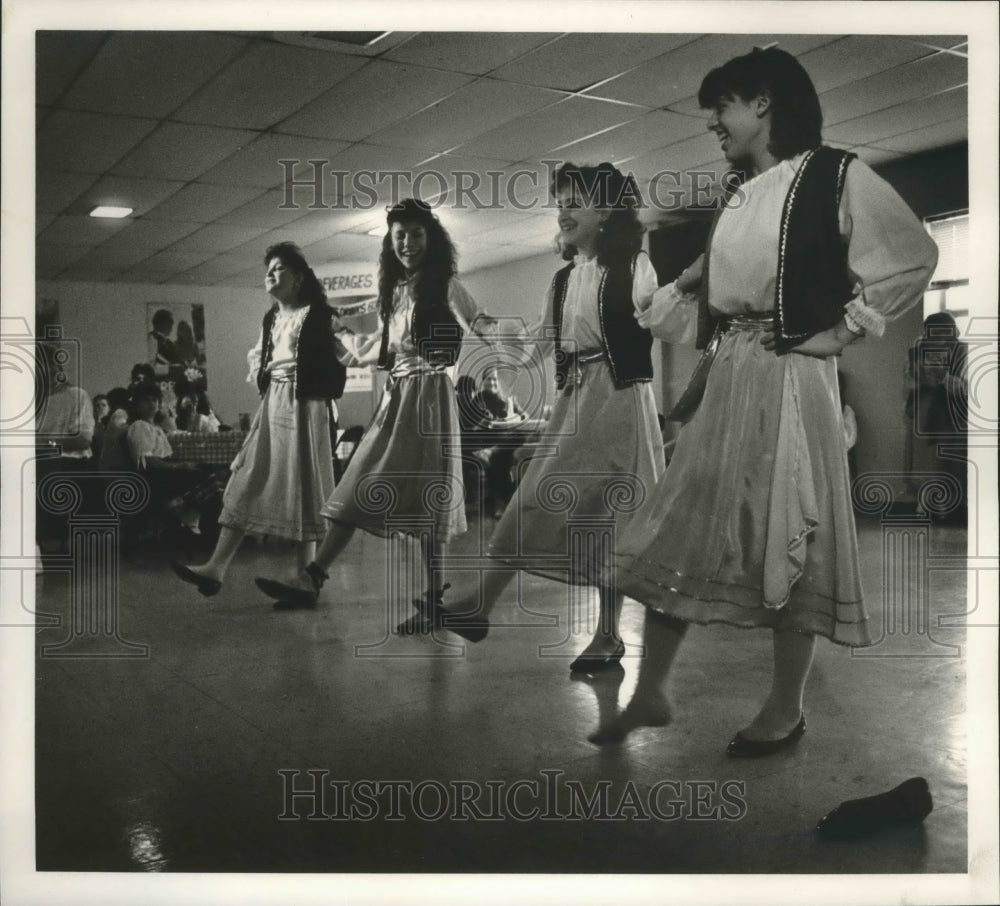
x,y
650,711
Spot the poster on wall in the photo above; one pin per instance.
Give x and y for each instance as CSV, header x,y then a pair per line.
x,y
176,342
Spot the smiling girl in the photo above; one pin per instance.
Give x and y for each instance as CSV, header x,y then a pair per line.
x,y
752,523
604,426
406,465
284,471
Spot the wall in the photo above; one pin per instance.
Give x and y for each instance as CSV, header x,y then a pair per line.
x,y
109,321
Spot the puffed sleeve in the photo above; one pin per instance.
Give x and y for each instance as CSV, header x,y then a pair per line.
x,y
85,416
253,359
644,283
355,350
141,442
539,339
469,314
671,316
890,256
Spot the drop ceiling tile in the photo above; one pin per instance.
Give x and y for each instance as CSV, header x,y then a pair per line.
x,y
473,52
539,132
317,225
483,105
54,191
649,131
943,41
87,142
42,221
103,263
464,224
126,191
343,246
53,257
127,76
918,79
677,75
202,203
152,235
676,158
856,57
265,85
372,99
161,267
114,258
265,211
81,231
217,238
526,186
181,151
937,136
469,182
257,164
576,61
60,56
524,231
352,43
493,257
875,127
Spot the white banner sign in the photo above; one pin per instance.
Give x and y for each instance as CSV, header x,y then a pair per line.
x,y
346,278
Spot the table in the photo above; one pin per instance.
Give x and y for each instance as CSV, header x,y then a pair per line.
x,y
201,447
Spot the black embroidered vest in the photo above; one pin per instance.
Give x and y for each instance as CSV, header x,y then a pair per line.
x,y
435,332
318,372
627,345
813,284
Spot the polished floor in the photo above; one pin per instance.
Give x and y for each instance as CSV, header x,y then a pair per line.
x,y
173,761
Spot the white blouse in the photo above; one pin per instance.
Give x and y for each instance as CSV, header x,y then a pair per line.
x,y
581,319
284,340
890,256
363,349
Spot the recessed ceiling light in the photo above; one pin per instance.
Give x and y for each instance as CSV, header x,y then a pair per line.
x,y
104,210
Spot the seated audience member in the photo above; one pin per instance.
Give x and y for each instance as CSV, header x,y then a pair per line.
x,y
101,411
165,418
495,408
150,451
65,427
194,412
493,405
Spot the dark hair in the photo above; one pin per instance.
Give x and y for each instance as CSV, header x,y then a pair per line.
x,y
143,370
796,117
606,187
161,317
99,396
430,288
147,390
117,398
290,255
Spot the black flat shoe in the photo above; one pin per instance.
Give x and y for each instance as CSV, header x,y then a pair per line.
x,y
741,747
595,663
908,803
292,604
206,586
418,624
294,597
468,626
